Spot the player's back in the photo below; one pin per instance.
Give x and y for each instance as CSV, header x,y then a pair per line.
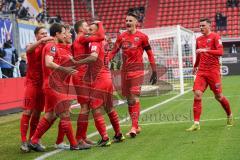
x,y
34,70
80,51
207,60
98,69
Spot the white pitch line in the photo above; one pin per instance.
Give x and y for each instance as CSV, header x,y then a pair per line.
x,y
48,154
204,98
176,122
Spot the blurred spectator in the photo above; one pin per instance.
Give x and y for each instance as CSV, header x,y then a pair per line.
x,y
233,49
186,49
23,13
23,65
109,44
221,21
232,3
10,57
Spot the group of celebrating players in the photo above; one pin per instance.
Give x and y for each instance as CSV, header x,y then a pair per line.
x,y
54,59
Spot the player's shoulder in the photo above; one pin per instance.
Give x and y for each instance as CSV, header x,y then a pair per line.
x,y
215,35
50,46
141,33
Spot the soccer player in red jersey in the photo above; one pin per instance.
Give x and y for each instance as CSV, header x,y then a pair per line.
x,y
34,98
60,138
207,69
101,90
81,51
57,104
133,43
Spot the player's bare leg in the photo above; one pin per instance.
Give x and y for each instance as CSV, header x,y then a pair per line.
x,y
197,110
134,112
226,106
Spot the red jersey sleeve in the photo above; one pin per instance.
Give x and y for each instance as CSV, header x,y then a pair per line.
x,y
147,48
197,56
94,47
218,45
116,48
50,50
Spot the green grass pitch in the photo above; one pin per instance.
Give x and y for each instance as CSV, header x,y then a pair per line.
x,y
163,133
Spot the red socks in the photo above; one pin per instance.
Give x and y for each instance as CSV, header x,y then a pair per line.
x,y
61,134
33,125
226,106
113,116
197,109
82,125
100,125
134,112
66,125
24,123
42,127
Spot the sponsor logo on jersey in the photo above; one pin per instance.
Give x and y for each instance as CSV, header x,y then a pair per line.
x,y
126,44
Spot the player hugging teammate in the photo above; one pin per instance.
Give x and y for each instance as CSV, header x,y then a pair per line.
x,y
53,60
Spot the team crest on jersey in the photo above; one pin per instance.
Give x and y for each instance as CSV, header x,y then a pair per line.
x,y
209,40
136,39
53,50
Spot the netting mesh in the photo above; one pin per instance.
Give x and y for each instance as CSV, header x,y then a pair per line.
x,y
172,47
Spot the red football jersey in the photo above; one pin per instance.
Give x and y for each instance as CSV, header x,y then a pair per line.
x,y
209,60
61,54
98,69
34,70
81,46
133,47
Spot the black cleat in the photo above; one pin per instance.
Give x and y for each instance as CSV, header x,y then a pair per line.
x,y
118,138
36,147
24,147
104,143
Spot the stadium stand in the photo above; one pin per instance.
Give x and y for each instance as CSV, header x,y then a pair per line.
x,y
111,13
158,13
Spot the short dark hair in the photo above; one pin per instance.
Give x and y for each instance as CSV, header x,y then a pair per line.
x,y
133,14
78,24
37,29
56,27
67,26
205,19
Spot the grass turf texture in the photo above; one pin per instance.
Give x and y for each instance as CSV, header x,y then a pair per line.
x,y
166,141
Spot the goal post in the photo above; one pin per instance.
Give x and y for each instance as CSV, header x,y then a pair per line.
x,y
174,52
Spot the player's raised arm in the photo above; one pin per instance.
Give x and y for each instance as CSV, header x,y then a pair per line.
x,y
41,37
97,37
115,49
